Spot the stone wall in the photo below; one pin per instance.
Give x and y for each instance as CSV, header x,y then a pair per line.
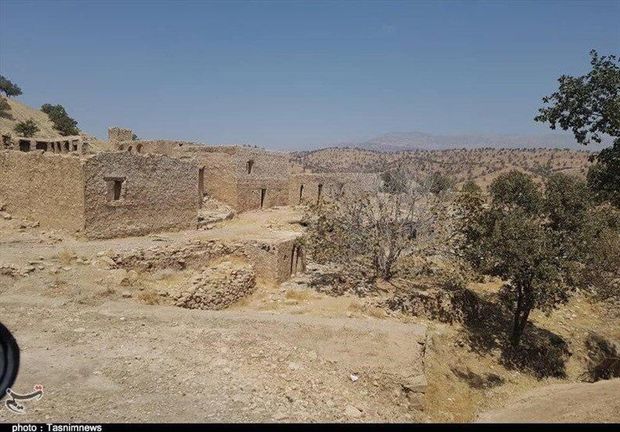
x,y
275,262
130,194
48,188
308,188
116,134
164,147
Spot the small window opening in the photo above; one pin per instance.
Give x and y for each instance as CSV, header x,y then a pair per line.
x,y
24,146
115,188
301,193
41,146
139,148
66,147
75,147
263,192
250,165
319,193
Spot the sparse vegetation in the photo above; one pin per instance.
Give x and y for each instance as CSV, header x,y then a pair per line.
x,y
9,88
64,124
26,128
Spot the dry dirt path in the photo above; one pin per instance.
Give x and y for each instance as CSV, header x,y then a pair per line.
x,y
124,361
562,403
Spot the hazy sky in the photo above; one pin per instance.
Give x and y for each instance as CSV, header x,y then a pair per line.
x,y
291,74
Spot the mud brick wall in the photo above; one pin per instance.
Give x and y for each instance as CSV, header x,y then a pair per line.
x,y
305,188
45,187
116,134
131,194
275,261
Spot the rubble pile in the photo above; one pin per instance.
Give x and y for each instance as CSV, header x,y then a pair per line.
x,y
218,287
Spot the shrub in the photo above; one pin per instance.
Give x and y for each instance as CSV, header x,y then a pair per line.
x,y
26,128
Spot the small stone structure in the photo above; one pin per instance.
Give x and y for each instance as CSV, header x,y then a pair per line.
x,y
116,134
218,287
66,144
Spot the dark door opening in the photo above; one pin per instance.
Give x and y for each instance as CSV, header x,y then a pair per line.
x,y
301,193
24,146
201,184
263,192
318,196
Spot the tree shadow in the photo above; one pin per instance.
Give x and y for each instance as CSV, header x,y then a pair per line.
x,y
487,326
478,381
6,115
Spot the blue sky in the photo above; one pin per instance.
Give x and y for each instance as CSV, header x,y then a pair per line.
x,y
294,74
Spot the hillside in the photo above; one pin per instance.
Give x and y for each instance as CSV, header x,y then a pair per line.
x,y
21,112
481,165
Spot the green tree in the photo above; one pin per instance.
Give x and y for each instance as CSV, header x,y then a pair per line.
x,y
9,88
26,128
589,106
61,120
604,175
523,238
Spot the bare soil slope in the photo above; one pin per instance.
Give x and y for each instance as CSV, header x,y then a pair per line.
x,y
21,112
575,402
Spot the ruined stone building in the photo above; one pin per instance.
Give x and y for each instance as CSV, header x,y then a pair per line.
x,y
249,178
145,186
102,195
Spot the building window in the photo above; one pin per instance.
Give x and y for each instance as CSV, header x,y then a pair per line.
x,y
250,165
116,188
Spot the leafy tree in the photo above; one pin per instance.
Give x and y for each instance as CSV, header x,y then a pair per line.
x,y
9,88
26,128
529,239
604,175
589,106
61,120
5,108
134,137
516,190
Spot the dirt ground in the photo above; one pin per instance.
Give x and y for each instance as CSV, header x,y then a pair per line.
x,y
108,346
103,354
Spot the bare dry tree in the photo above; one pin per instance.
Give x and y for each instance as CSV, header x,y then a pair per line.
x,y
378,228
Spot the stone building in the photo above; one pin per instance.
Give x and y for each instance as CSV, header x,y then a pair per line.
x,y
103,195
245,178
65,144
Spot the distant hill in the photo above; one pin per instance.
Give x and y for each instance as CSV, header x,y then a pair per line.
x,y
480,164
403,141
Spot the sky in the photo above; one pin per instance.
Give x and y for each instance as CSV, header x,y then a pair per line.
x,y
300,74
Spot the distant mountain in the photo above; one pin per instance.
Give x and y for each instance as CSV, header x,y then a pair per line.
x,y
401,141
